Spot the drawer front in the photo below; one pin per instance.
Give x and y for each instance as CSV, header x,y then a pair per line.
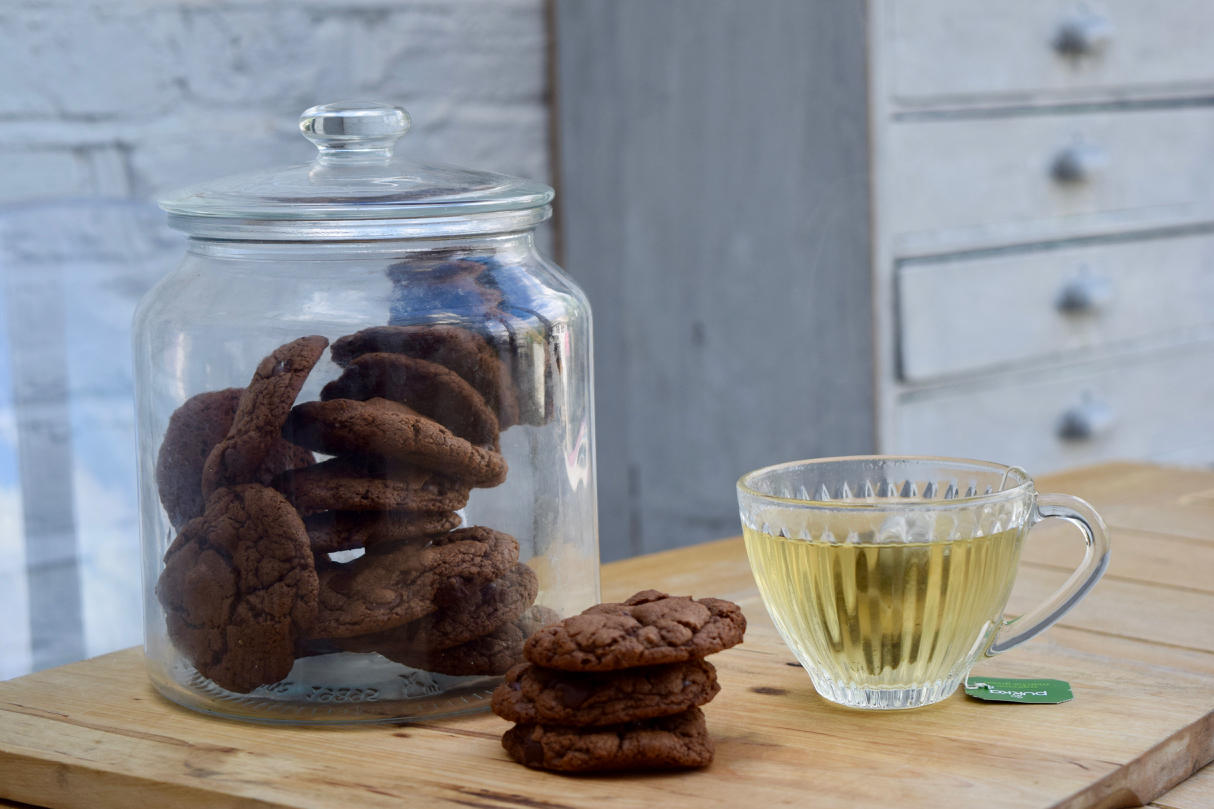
x,y
963,316
963,176
1023,50
1159,406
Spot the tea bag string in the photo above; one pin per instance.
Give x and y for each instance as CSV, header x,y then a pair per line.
x,y
1008,471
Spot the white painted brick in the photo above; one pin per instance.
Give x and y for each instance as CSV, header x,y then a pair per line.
x,y
206,146
37,173
491,53
42,173
87,59
108,170
499,139
190,91
279,56
82,230
292,56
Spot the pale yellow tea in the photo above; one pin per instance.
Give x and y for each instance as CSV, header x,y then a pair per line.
x,y
892,615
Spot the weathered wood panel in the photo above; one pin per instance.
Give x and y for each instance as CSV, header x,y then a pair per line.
x,y
956,51
959,316
715,203
963,176
1015,418
1195,793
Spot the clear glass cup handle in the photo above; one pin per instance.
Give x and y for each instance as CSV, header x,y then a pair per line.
x,y
1095,560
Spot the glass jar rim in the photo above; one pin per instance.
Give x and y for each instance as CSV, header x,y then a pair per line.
x,y
346,230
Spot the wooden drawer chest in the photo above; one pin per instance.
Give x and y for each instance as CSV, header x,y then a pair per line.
x,y
1043,229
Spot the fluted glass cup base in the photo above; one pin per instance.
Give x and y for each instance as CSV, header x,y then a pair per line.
x,y
853,695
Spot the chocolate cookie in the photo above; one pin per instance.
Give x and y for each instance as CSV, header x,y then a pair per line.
x,y
466,353
394,583
260,414
333,531
681,740
533,695
488,655
392,430
362,484
501,601
237,586
436,392
194,430
649,629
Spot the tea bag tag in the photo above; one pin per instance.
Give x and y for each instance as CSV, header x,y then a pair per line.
x,y
998,689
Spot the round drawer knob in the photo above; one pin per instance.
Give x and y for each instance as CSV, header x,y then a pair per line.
x,y
1084,33
1088,420
1085,294
1078,162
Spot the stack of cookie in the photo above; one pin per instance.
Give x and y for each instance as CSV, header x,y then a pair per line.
x,y
619,686
413,425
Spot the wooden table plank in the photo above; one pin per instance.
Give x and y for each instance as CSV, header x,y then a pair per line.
x,y
1195,793
716,568
1110,484
1121,648
1137,556
1163,500
1202,498
96,734
1192,521
1132,609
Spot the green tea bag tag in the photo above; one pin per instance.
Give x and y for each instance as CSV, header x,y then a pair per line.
x,y
997,689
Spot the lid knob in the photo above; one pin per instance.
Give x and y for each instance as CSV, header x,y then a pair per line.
x,y
354,129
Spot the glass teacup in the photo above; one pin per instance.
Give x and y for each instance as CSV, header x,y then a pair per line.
x,y
887,577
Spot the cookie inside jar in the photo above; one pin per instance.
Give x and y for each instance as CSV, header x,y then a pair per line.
x,y
335,526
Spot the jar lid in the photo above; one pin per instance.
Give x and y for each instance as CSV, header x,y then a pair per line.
x,y
355,184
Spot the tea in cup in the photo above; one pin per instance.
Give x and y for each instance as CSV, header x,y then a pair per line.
x,y
887,577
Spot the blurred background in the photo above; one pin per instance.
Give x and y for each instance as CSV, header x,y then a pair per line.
x,y
806,227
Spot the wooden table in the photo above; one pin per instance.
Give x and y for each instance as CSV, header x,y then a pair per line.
x,y
1139,653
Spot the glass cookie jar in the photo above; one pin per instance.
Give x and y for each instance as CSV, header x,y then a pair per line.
x,y
366,435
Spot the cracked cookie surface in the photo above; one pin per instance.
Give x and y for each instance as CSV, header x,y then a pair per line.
x,y
680,740
394,583
370,484
194,430
333,531
260,413
501,601
238,585
650,628
433,390
382,427
464,352
534,695
489,655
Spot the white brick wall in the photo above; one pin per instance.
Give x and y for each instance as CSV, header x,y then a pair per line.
x,y
137,97
128,99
